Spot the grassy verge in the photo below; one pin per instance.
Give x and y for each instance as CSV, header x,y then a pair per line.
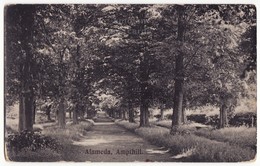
x,y
239,136
63,137
201,148
72,132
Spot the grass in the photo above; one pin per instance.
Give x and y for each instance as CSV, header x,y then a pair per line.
x,y
203,149
63,136
241,136
72,132
127,125
43,155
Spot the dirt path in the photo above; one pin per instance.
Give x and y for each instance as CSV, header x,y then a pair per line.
x,y
109,142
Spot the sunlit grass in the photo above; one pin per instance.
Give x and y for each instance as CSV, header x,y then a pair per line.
x,y
241,136
203,149
72,132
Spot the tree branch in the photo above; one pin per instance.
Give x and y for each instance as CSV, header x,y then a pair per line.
x,y
192,57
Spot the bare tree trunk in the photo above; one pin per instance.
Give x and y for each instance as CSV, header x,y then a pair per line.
x,y
177,118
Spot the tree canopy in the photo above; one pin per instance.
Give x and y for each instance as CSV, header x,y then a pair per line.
x,y
139,55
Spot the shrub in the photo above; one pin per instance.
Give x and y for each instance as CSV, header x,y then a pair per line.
x,y
240,119
30,140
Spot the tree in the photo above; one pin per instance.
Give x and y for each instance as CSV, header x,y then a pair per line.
x,y
136,33
200,26
179,84
21,18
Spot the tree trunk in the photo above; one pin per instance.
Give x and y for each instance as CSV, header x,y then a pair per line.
x,y
162,112
120,114
184,117
223,116
82,114
81,111
48,115
177,118
48,112
61,114
34,111
130,111
26,73
113,113
124,114
75,114
226,105
21,114
131,115
89,113
252,121
70,113
144,97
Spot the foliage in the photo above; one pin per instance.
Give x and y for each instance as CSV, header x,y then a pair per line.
x,y
32,141
129,52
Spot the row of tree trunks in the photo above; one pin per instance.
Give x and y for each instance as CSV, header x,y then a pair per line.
x,y
122,113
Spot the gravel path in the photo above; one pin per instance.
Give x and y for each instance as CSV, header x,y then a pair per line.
x,y
107,142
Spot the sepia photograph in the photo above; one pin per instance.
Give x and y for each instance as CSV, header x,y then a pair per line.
x,y
130,83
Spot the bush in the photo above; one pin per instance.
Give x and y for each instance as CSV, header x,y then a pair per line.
x,y
241,119
30,140
168,116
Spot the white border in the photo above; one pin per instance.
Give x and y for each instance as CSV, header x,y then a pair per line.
x,y
5,2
